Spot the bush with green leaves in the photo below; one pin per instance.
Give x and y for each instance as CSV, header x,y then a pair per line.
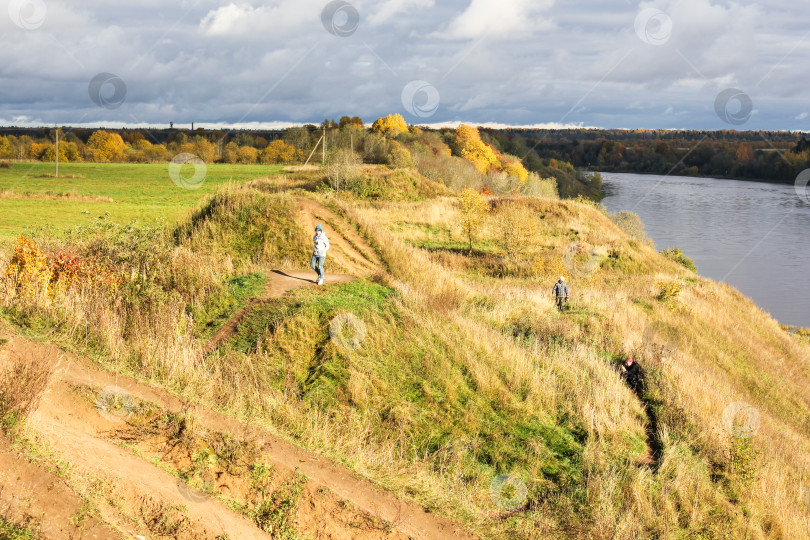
x,y
676,254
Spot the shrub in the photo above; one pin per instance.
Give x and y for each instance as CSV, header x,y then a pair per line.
x,y
668,290
454,172
21,385
535,186
5,165
518,229
28,270
632,225
675,254
398,157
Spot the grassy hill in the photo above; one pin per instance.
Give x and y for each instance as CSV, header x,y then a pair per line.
x,y
448,376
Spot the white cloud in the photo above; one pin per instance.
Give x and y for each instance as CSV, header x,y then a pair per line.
x,y
499,19
273,60
257,23
227,19
386,10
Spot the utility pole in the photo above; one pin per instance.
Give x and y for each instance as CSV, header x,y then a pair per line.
x,y
324,145
57,152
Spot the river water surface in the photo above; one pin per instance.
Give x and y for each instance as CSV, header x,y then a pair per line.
x,y
752,235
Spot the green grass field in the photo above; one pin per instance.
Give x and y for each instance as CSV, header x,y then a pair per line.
x,y
140,192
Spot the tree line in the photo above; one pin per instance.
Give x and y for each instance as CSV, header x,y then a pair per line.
x,y
756,155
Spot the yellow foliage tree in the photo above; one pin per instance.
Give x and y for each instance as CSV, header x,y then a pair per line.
x,y
469,145
205,149
279,151
473,209
106,146
35,150
393,124
247,155
516,169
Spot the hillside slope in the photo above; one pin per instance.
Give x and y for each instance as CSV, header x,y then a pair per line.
x,y
450,378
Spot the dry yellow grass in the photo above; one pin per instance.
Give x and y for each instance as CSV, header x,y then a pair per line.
x,y
729,351
505,334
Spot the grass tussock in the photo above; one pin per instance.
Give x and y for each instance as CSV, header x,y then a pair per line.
x,y
22,383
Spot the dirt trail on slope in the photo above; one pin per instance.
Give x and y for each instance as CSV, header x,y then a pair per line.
x,y
29,493
348,249
72,433
279,283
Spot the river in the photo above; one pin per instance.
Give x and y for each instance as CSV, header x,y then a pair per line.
x,y
752,235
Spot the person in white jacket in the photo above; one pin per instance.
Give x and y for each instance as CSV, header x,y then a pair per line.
x,y
319,252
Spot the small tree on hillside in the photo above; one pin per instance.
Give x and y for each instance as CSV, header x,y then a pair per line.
x,y
518,230
340,166
473,208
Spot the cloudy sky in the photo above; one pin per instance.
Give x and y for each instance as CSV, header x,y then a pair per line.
x,y
697,64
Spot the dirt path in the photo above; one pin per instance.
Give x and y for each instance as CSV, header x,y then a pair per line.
x,y
348,249
278,284
73,436
76,430
28,491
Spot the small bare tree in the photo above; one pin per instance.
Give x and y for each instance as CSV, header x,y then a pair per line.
x,y
340,166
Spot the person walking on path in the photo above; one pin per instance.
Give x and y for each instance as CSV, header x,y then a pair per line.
x,y
319,252
561,292
633,374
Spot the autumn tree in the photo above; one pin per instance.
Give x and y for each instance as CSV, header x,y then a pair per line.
x,y
468,144
393,125
247,155
204,149
514,168
473,209
298,137
279,151
229,152
106,146
355,122
35,150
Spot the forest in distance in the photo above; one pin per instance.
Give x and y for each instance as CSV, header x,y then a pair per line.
x,y
770,156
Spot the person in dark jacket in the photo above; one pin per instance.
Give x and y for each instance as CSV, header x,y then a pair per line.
x,y
560,290
633,374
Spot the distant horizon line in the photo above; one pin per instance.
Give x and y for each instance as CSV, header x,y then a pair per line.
x,y
255,126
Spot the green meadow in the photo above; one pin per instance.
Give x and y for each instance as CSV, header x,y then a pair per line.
x,y
143,193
